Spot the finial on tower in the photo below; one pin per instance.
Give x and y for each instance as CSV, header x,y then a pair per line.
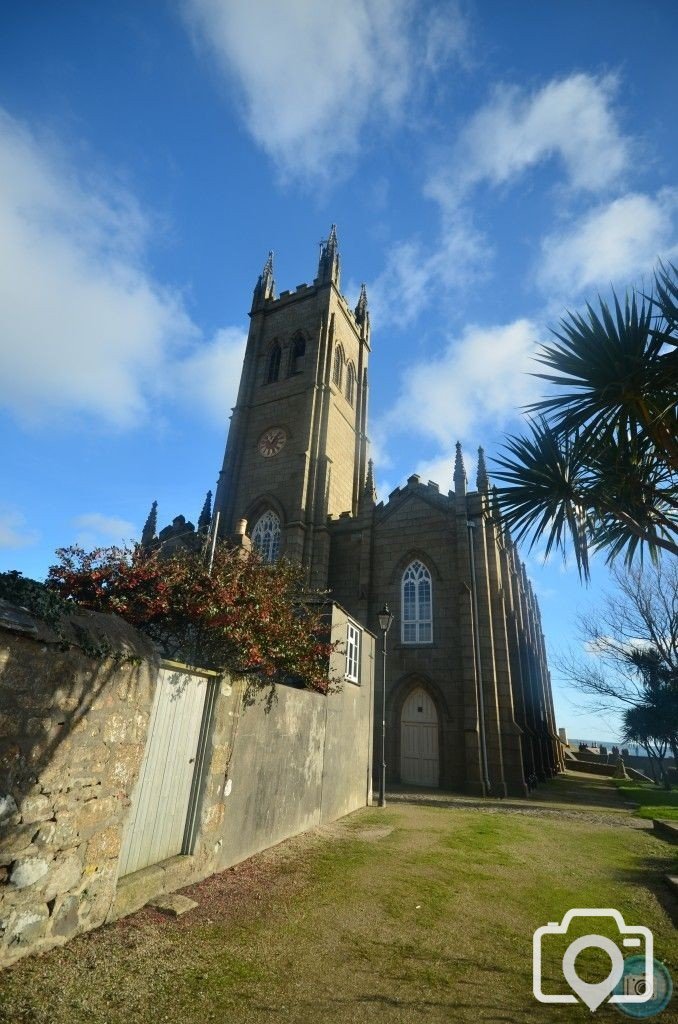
x,y
205,517
265,286
460,480
482,479
150,526
328,265
370,489
361,313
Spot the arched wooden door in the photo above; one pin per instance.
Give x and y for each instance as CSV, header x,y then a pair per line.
x,y
419,740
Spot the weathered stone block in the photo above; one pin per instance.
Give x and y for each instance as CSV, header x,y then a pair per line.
x,y
36,808
103,845
28,870
63,876
66,920
25,927
15,841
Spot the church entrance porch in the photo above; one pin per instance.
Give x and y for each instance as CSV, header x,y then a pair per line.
x,y
419,761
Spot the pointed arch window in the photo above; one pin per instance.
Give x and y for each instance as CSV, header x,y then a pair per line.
x,y
417,605
338,367
350,383
298,354
266,536
274,358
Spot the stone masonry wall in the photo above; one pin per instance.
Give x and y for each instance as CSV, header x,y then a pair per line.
x,y
72,733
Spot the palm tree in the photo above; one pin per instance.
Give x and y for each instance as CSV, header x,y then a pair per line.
x,y
599,463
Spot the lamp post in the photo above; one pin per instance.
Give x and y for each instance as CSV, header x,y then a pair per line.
x,y
385,619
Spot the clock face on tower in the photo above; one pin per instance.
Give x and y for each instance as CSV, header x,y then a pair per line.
x,y
272,441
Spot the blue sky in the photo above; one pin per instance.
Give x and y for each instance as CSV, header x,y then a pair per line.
x,y
488,165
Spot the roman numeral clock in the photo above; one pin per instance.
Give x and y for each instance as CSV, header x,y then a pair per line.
x,y
272,442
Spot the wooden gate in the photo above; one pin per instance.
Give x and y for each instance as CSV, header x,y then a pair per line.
x,y
161,800
419,740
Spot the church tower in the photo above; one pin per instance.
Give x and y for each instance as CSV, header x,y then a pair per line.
x,y
296,449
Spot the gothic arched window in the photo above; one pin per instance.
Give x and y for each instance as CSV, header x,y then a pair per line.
x,y
297,355
338,368
350,383
274,364
417,605
266,536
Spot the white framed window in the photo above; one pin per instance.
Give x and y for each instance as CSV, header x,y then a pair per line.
x,y
353,652
417,605
266,536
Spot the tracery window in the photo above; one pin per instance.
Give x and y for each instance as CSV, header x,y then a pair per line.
x,y
338,368
266,536
417,605
297,355
350,384
274,364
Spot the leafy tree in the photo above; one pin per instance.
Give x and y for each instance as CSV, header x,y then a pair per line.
x,y
598,466
243,615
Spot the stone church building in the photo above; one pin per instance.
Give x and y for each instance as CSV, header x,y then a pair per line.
x,y
469,701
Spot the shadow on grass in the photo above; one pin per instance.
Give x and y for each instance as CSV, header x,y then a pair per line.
x,y
650,874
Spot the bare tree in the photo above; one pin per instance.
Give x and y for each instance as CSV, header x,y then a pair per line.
x,y
631,662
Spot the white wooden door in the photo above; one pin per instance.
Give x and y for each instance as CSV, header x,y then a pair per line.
x,y
157,819
419,740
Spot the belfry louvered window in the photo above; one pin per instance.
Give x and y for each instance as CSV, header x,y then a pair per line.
x,y
266,536
274,364
298,355
417,605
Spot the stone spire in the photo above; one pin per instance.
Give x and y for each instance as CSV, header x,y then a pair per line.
x,y
482,479
265,286
328,265
362,315
205,517
460,480
150,526
370,489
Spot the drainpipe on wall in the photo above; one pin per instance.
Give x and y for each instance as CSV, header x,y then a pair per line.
x,y
479,668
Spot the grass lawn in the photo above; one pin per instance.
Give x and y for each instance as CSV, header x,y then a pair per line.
x,y
654,801
420,912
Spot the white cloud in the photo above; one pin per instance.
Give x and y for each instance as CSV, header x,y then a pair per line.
x,y
570,118
95,528
414,272
84,327
315,80
483,377
208,378
13,530
612,244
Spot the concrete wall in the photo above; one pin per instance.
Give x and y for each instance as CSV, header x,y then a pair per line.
x,y
72,738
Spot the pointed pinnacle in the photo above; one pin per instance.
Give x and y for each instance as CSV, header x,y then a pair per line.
x,y
205,517
482,479
150,526
459,471
361,308
370,489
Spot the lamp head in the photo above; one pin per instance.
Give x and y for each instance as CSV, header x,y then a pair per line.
x,y
385,619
